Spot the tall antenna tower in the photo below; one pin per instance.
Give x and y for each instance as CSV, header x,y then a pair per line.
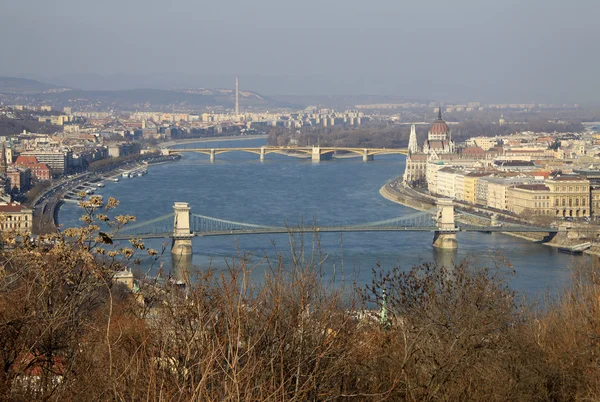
x,y
237,96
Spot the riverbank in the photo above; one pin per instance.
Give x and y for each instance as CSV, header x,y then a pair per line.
x,y
47,208
394,191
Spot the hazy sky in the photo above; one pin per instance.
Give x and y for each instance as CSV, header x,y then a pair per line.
x,y
514,50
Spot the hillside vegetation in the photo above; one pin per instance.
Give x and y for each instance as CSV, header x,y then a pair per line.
x,y
68,332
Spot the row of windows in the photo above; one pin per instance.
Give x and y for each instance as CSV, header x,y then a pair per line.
x,y
563,202
17,225
570,188
17,217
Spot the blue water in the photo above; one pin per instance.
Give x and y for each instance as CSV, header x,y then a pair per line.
x,y
239,187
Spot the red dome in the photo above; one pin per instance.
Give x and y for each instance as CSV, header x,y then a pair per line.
x,y
439,127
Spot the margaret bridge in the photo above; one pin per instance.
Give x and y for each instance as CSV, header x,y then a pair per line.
x,y
316,153
182,225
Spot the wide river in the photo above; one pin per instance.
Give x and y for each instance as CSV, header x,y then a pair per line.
x,y
287,190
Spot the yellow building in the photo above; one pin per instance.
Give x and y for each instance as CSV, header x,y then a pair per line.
x,y
469,184
570,196
530,199
595,201
15,217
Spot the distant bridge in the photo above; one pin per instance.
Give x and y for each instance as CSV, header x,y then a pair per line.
x,y
316,153
182,226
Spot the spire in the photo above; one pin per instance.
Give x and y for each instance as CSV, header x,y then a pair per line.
x,y
440,113
3,163
413,147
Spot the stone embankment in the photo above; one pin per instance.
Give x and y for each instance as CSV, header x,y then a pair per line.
x,y
393,192
396,192
47,206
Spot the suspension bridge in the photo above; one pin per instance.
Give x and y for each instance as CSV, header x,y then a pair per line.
x,y
316,153
182,225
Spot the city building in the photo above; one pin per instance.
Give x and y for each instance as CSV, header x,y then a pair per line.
x,y
15,217
39,171
570,195
19,178
530,200
439,138
438,142
59,161
485,143
123,149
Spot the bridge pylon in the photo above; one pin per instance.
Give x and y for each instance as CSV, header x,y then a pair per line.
x,y
182,235
366,156
445,236
319,155
262,153
212,155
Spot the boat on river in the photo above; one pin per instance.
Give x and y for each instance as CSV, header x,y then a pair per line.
x,y
576,249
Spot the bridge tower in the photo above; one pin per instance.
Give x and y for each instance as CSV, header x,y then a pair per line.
x,y
366,156
182,235
494,220
445,236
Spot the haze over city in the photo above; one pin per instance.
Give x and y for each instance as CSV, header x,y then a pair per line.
x,y
299,201
509,51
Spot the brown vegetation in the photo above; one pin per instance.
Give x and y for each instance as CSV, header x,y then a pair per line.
x,y
68,332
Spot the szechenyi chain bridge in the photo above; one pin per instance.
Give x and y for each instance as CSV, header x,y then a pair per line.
x,y
181,225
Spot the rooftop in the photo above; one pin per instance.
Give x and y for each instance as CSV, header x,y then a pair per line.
x,y
12,207
533,187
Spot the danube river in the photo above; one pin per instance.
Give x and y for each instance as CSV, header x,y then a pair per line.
x,y
287,190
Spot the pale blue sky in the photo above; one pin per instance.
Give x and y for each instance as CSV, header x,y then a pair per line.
x,y
504,50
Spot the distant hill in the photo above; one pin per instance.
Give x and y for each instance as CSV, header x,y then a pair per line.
x,y
146,99
29,91
13,85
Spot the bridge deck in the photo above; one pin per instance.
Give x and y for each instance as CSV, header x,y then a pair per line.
x,y
286,150
336,229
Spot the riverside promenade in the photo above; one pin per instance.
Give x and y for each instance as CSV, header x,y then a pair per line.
x,y
397,192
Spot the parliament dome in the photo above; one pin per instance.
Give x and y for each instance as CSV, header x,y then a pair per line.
x,y
439,127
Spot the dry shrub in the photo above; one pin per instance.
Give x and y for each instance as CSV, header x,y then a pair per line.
x,y
69,333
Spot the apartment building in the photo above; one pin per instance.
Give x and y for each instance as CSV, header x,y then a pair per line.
x,y
530,199
59,161
19,178
470,182
445,183
486,143
497,189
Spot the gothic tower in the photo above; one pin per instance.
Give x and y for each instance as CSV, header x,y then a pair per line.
x,y
413,147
